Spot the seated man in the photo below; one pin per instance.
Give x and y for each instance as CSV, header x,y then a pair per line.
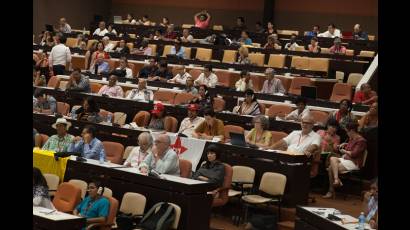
x,y
366,95
44,103
304,141
95,207
292,44
359,34
100,66
372,200
300,112
112,89
139,153
78,82
244,82
101,30
178,50
331,32
150,69
272,85
141,93
162,74
181,76
89,146
60,141
124,67
207,78
190,123
163,158
210,128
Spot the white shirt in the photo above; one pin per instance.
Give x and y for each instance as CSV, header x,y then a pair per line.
x,y
128,72
187,126
294,115
208,81
189,38
136,94
136,156
66,28
100,32
327,34
292,46
241,85
109,47
181,79
60,55
297,143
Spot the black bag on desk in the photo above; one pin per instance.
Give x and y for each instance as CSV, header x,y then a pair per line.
x,y
160,220
264,222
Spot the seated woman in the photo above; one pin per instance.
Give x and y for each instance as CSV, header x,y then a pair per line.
x,y
300,112
138,154
122,48
249,106
40,190
244,82
371,119
95,207
372,200
314,47
337,47
157,117
330,140
88,145
88,112
203,99
213,170
100,50
272,43
343,115
143,50
260,135
352,157
243,56
366,95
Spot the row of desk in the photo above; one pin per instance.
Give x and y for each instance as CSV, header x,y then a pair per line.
x,y
295,167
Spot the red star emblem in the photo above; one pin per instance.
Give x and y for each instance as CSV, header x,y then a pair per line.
x,y
178,147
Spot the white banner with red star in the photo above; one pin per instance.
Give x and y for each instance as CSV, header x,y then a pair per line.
x,y
187,148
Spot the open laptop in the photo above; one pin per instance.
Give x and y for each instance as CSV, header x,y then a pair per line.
x,y
117,20
309,92
239,140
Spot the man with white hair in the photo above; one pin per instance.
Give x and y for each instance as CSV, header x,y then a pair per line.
x,y
181,75
101,30
108,46
162,159
358,33
272,85
139,153
304,141
64,26
99,66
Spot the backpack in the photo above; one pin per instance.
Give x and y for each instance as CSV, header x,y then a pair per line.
x,y
160,220
125,221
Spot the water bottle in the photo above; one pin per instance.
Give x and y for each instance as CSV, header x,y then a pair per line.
x,y
109,118
102,160
362,220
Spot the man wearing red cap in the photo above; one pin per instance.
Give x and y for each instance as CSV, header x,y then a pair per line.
x,y
189,124
157,118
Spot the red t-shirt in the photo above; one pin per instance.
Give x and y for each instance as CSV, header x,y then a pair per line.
x,y
360,97
202,24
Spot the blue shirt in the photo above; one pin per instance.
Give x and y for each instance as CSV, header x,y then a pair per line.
x,y
94,209
311,34
94,150
103,67
248,41
181,52
50,103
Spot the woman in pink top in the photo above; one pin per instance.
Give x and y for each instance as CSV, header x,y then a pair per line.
x,y
337,47
330,140
202,19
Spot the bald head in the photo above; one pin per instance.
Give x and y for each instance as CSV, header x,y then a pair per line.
x,y
164,138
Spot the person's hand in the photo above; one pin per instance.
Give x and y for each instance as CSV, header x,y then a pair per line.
x,y
143,170
76,139
203,178
307,153
373,224
87,138
128,164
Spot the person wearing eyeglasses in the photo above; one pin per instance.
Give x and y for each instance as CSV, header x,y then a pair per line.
x,y
95,207
139,153
304,141
260,135
162,159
